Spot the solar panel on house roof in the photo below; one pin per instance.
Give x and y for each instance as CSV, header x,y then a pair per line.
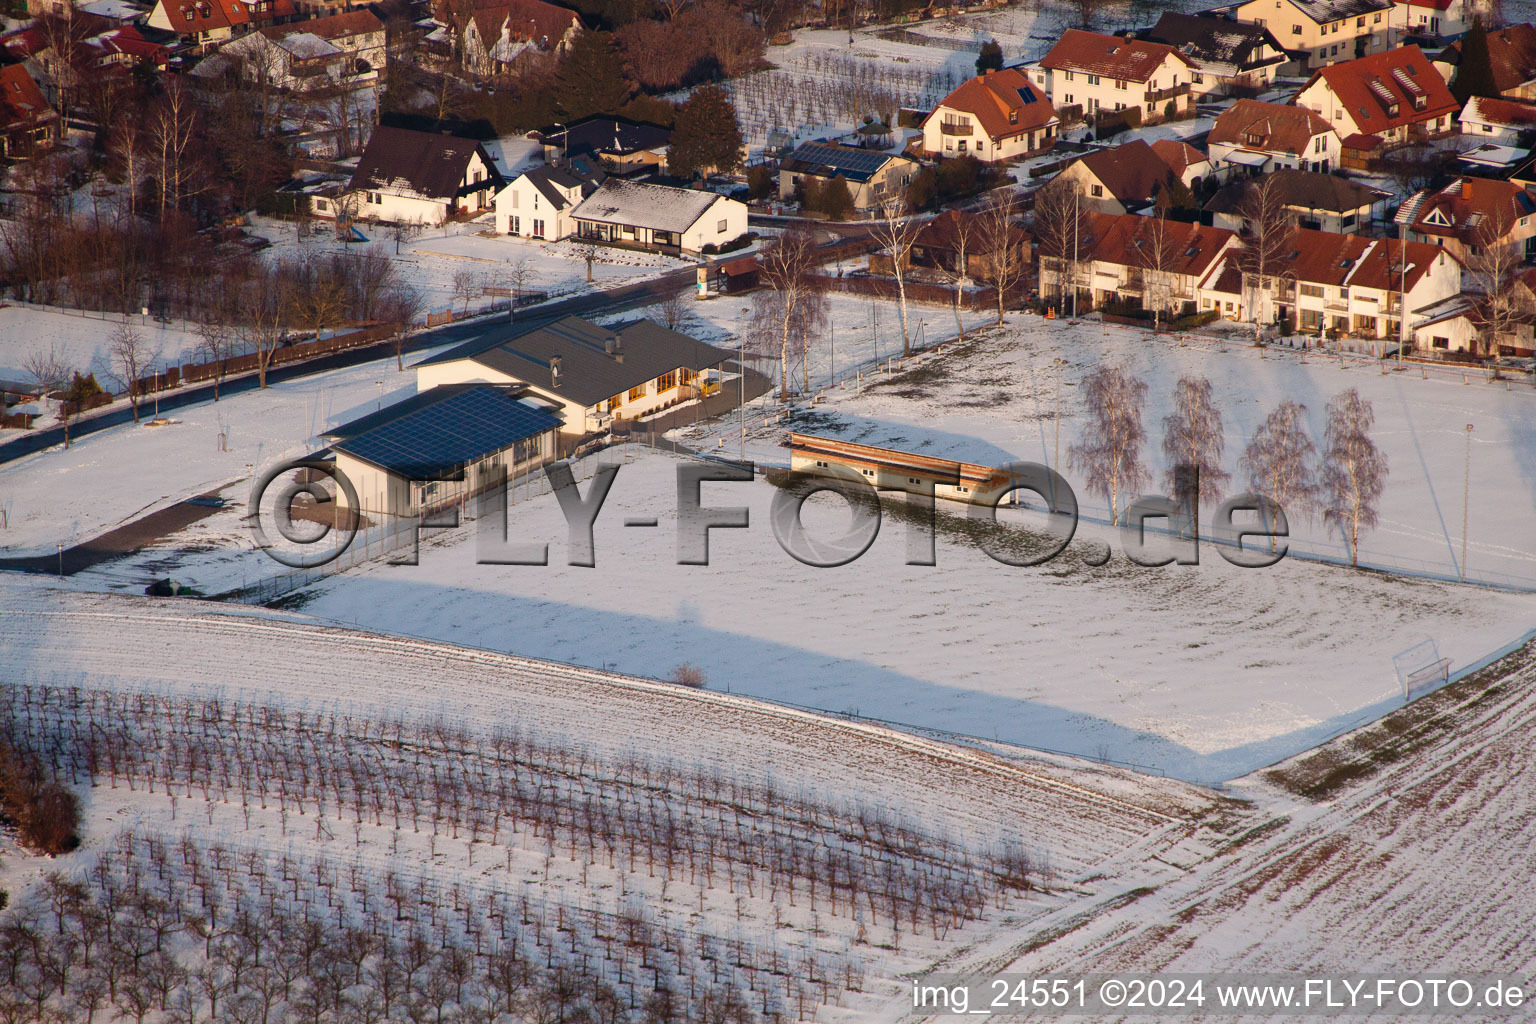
x,y
864,161
449,434
1027,95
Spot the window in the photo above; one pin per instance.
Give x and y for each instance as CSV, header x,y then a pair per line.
x,y
1439,342
1119,84
1295,30
1359,23
1013,117
913,480
1093,79
538,229
1197,78
1098,191
1487,128
514,199
1066,76
666,382
517,227
720,227
637,393
1311,291
1376,20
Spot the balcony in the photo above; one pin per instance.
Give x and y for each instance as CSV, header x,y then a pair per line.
x,y
1338,305
955,128
1159,95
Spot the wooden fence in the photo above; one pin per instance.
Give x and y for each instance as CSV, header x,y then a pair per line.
x,y
192,373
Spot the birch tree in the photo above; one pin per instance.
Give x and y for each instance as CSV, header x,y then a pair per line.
x,y
1157,256
1493,270
216,342
1006,264
1354,470
1109,451
794,300
896,232
1279,460
1063,229
264,318
964,234
1193,444
1265,255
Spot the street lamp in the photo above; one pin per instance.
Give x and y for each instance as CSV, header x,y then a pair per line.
x,y
1466,491
741,371
565,140
379,403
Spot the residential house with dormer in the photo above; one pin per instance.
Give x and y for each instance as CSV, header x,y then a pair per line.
x,y
1000,115
1087,73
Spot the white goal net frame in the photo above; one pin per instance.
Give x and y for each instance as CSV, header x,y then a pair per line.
x,y
1420,669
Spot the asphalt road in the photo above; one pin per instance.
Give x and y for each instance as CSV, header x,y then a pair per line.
x,y
615,300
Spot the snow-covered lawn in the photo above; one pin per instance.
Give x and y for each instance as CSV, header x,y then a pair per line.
x,y
1204,672
82,341
107,478
432,259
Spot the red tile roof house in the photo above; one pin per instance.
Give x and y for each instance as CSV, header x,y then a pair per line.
x,y
27,122
1395,97
498,30
1348,285
1470,215
1251,137
1126,179
1086,73
1146,261
1511,52
202,22
997,116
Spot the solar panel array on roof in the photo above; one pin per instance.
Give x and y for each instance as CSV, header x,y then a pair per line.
x,y
464,428
1027,95
858,161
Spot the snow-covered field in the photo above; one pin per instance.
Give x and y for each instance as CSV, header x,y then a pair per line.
x,y
199,662
112,476
1203,672
82,342
432,259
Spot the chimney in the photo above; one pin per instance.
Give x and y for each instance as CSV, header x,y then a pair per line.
x,y
614,346
1466,188
554,371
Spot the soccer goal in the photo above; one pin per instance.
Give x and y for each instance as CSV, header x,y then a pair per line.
x,y
1420,669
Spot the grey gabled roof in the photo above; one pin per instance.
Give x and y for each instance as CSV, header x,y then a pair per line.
x,y
1215,41
644,205
545,178
431,166
606,135
588,373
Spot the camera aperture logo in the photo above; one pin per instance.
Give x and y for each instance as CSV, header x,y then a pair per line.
x,y
315,510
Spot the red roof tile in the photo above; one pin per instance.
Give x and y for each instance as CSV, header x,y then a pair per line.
x,y
1124,240
1280,128
1388,90
188,17
1132,60
21,101
1465,208
1511,52
993,97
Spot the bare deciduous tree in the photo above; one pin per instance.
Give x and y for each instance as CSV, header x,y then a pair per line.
x,y
896,232
1157,252
1279,460
1109,452
403,230
794,300
1354,470
129,356
517,274
1265,255
965,234
1063,229
466,285
673,309
1193,443
1002,242
401,305
264,312
47,369
1494,267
